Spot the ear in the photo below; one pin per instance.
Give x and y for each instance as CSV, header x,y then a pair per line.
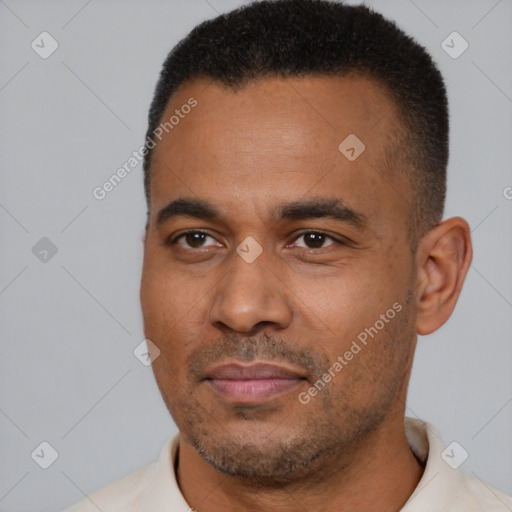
x,y
442,259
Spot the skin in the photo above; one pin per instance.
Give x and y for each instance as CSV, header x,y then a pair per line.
x,y
300,303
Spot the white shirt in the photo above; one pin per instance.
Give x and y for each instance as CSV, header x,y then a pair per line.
x,y
153,488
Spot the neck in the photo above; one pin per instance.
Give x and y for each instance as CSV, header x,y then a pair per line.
x,y
381,474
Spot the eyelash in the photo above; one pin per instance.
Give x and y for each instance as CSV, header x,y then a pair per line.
x,y
170,242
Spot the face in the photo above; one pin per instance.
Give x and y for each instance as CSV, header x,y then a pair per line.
x,y
278,277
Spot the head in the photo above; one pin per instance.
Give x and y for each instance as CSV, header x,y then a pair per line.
x,y
294,219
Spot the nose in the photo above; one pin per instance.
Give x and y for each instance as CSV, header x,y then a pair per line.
x,y
250,298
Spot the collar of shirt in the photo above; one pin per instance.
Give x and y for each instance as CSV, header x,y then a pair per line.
x,y
443,486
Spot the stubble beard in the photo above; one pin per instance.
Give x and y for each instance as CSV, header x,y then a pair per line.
x,y
332,431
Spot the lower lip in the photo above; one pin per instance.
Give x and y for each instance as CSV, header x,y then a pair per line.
x,y
256,390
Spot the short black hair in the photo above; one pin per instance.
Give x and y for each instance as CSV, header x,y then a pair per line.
x,y
297,38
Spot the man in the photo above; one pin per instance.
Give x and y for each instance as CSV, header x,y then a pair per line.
x,y
295,173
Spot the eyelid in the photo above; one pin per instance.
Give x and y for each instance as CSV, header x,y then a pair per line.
x,y
171,240
340,239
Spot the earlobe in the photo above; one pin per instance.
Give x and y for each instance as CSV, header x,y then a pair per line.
x,y
443,259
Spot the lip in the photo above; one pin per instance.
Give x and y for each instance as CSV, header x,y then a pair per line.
x,y
252,383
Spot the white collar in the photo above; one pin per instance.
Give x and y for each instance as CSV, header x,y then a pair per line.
x,y
440,488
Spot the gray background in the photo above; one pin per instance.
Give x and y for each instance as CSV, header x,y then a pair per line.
x,y
69,325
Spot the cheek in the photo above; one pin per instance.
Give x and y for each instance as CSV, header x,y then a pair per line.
x,y
166,296
153,301
352,300
161,314
171,306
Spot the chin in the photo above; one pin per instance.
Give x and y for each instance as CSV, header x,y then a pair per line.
x,y
257,459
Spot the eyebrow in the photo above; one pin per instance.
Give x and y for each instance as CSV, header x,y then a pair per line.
x,y
314,208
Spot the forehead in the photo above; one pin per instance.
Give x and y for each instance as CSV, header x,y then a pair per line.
x,y
277,140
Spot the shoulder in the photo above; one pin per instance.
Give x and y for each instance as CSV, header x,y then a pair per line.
x,y
152,488
125,495
444,485
482,496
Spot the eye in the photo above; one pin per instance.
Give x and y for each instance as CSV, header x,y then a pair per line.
x,y
191,239
315,239
195,239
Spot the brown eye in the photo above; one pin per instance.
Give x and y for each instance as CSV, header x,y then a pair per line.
x,y
192,239
315,240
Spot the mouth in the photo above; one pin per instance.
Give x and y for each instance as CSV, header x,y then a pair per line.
x,y
252,383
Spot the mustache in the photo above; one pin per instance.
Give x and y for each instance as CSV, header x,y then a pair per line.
x,y
261,348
